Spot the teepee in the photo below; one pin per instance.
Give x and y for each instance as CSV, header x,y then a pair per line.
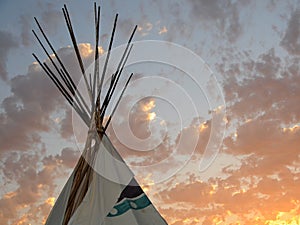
x,y
90,197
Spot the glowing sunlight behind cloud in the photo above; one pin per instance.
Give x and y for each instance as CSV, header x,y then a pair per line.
x,y
151,116
50,201
148,106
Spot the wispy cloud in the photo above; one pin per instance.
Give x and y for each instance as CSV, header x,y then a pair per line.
x,y
7,42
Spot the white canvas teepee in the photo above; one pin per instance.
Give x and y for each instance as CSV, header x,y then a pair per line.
x,y
90,197
108,202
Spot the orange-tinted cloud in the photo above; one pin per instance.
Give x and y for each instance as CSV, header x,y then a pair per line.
x,y
34,176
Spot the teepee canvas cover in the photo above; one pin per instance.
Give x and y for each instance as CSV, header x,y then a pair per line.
x,y
90,197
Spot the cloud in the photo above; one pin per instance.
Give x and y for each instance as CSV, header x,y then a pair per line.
x,y
291,39
7,42
207,10
68,157
126,27
66,128
141,116
163,30
26,34
262,110
31,176
216,200
50,16
223,15
265,87
144,27
179,29
34,175
50,19
27,111
220,20
261,98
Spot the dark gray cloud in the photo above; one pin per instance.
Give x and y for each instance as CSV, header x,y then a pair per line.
x,y
7,42
267,85
220,18
27,111
180,29
68,157
291,39
126,27
263,114
52,17
66,128
26,35
207,10
222,15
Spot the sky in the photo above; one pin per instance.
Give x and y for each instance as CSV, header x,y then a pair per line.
x,y
241,122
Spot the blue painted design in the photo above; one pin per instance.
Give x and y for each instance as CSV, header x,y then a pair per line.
x,y
137,203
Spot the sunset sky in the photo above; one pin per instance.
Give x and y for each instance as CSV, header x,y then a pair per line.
x,y
253,50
